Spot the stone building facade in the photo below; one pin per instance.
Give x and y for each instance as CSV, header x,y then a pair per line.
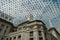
x,y
28,30
31,30
6,26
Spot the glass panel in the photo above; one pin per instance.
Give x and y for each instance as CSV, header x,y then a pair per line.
x,y
31,33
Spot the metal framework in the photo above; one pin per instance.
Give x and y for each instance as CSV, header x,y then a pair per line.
x,y
46,10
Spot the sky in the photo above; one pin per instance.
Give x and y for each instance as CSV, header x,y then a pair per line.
x,y
46,10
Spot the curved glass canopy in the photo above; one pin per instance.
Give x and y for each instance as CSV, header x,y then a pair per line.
x,y
46,10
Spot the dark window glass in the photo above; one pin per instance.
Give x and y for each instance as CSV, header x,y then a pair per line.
x,y
10,19
6,17
7,39
39,32
6,26
31,33
40,38
2,25
0,30
19,36
2,15
14,37
31,38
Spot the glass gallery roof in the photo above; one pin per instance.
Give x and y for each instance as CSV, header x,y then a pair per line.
x,y
46,10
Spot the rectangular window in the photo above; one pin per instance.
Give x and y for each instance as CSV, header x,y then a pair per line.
x,y
19,37
39,32
6,26
6,38
2,15
14,37
10,19
31,38
0,30
40,38
2,25
6,17
31,33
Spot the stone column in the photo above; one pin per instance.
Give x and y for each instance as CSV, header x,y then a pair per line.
x,y
16,37
43,35
26,35
8,29
12,38
36,35
3,29
9,38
